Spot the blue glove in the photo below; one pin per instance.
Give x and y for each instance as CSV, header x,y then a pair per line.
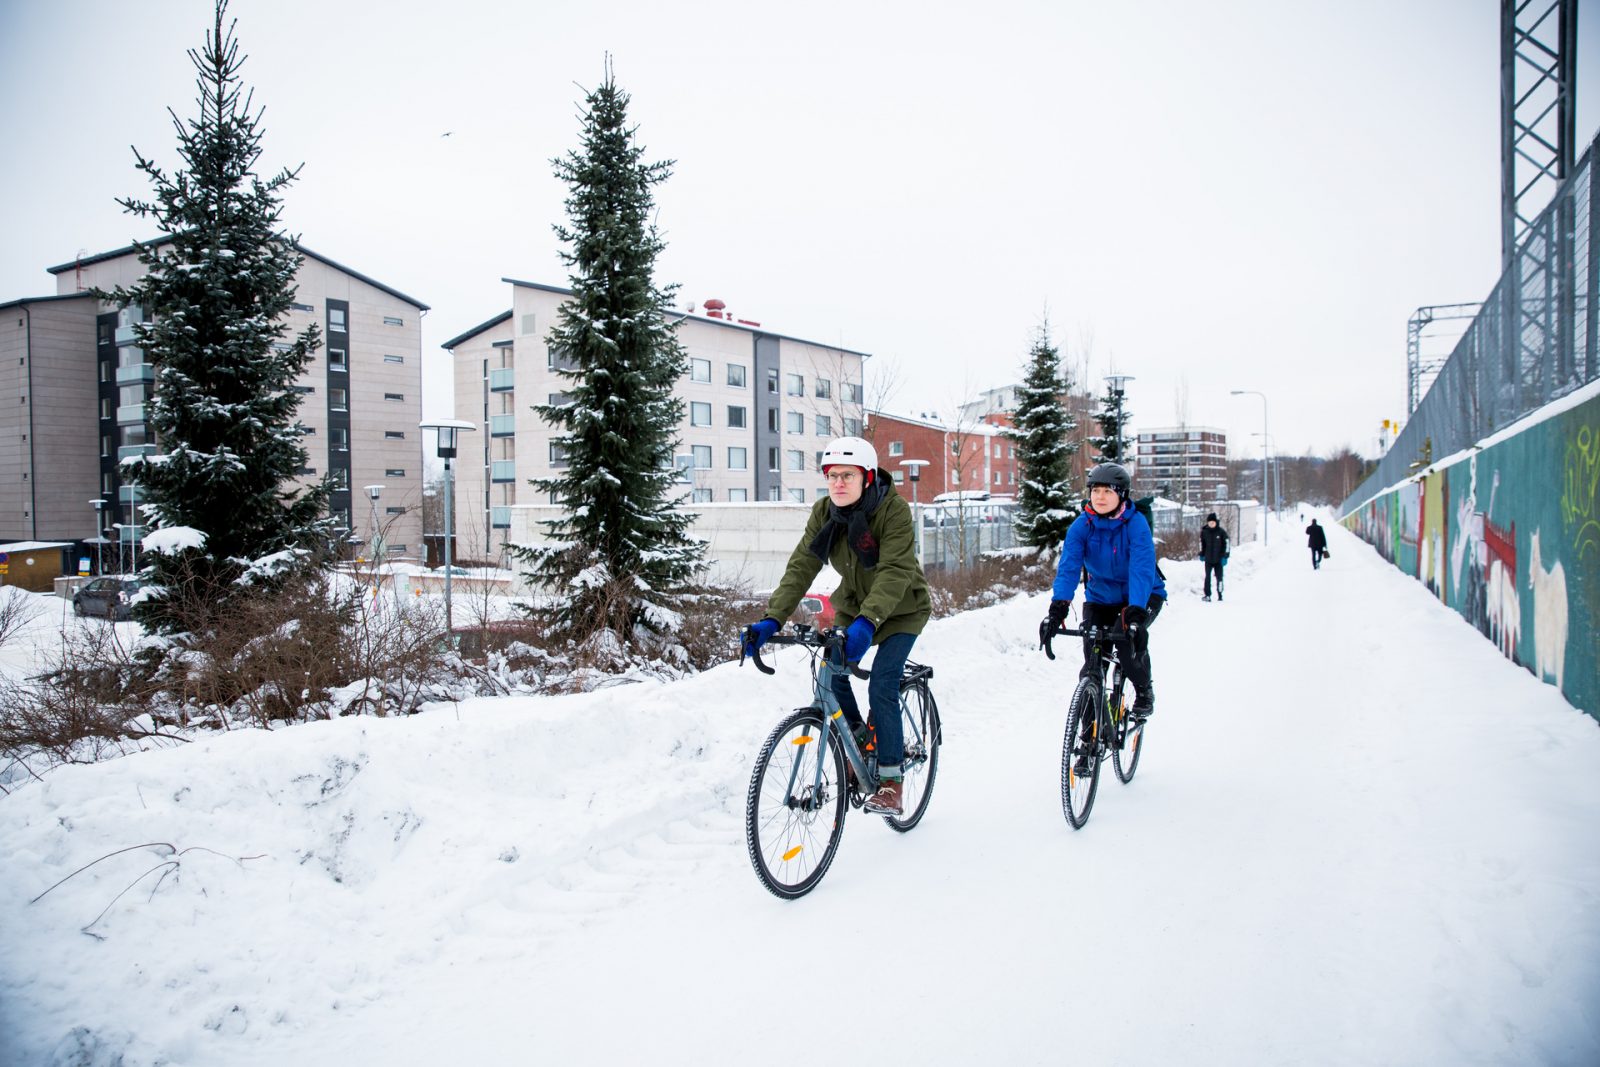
x,y
858,639
758,634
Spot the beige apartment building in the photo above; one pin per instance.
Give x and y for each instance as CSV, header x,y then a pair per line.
x,y
759,407
82,384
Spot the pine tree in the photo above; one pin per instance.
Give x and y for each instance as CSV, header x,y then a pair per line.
x,y
621,552
222,408
1046,501
1112,444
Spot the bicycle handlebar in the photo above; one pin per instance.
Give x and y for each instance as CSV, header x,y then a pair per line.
x,y
1113,633
830,642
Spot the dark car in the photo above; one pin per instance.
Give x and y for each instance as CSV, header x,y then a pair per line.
x,y
106,598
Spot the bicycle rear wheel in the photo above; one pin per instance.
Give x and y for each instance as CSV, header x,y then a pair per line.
x,y
794,810
1078,790
919,721
1130,739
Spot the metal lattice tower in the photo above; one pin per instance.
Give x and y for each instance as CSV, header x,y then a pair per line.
x,y
1538,110
1420,369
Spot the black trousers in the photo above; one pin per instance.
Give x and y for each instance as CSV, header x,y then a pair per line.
x,y
1316,558
1137,664
1210,569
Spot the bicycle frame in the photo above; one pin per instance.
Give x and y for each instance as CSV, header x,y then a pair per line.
x,y
823,672
1105,664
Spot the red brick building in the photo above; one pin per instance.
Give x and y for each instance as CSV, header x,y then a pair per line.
x,y
970,457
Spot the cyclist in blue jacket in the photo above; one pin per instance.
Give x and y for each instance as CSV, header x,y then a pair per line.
x,y
1111,543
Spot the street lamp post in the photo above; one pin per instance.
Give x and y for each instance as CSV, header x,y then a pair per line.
x,y
1266,535
448,429
99,567
1276,467
914,475
373,492
1117,392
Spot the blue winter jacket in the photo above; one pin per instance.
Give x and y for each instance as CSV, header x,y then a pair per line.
x,y
1120,555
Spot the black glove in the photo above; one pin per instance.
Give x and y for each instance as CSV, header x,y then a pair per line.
x,y
1058,613
1133,616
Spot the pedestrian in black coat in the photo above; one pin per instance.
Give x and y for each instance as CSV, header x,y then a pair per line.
x,y
1317,538
1214,551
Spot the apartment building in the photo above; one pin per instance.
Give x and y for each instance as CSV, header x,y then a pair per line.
x,y
998,406
759,407
83,384
971,457
1188,464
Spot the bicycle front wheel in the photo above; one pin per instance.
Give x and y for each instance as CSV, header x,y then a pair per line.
x,y
1130,739
794,810
1080,752
919,722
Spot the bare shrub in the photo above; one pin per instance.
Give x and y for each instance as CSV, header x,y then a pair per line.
x,y
711,621
17,609
994,577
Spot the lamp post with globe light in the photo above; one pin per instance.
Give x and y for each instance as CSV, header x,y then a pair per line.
x,y
447,431
1266,537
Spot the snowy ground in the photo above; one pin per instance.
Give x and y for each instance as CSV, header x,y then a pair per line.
x,y
1358,836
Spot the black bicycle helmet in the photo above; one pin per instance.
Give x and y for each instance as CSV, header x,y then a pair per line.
x,y
1114,475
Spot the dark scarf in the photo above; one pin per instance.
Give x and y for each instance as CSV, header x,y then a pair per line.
x,y
852,522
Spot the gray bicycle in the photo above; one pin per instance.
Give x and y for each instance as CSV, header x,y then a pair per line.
x,y
812,770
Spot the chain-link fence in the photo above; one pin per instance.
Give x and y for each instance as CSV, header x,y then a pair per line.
x,y
951,538
1533,342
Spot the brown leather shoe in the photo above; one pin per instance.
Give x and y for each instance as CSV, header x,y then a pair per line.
x,y
886,801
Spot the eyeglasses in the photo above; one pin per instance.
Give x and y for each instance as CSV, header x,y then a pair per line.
x,y
849,474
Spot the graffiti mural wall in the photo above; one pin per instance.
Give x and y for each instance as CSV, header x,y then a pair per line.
x,y
1509,536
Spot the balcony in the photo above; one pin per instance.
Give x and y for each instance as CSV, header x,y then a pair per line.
x,y
130,414
502,425
135,451
124,335
500,518
503,470
139,372
130,494
501,379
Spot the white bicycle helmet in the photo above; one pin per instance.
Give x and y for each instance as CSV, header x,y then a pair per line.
x,y
851,451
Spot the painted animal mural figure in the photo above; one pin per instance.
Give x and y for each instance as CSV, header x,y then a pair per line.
x,y
1549,616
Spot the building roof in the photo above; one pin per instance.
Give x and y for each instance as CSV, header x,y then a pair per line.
x,y
729,323
33,546
117,253
497,320
44,299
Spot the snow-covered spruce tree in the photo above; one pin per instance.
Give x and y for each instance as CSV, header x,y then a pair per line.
x,y
621,552
222,407
1112,444
1047,497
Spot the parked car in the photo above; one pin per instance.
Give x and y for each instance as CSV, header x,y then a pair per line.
x,y
106,598
820,607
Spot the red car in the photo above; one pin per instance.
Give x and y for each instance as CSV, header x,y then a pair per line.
x,y
820,609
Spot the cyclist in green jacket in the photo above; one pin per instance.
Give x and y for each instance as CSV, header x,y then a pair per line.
x,y
866,531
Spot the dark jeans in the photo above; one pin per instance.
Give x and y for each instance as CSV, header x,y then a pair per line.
x,y
1137,665
883,696
1210,568
1316,558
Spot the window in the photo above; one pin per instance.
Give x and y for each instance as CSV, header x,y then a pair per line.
x,y
393,320
702,457
772,380
797,495
339,399
795,385
340,477
305,390
821,493
736,375
341,516
107,408
395,396
738,496
796,459
107,443
996,477
395,472
397,548
395,511
817,456
851,391
336,319
702,496
558,454
394,359
307,431
824,389
560,400
307,308
897,448
337,360
852,427
105,370
339,439
772,461
824,425
699,414
774,493
738,458
700,370
394,435
528,322
736,416
772,419
796,422
999,450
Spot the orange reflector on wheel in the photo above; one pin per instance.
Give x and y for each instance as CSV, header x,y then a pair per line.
x,y
806,740
791,854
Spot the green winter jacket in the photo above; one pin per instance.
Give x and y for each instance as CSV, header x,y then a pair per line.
x,y
893,595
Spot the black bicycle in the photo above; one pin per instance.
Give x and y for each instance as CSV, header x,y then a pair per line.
x,y
812,770
1098,720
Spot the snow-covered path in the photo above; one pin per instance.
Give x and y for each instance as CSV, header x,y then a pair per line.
x,y
1357,836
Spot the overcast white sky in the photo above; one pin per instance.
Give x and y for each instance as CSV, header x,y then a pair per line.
x,y
1242,194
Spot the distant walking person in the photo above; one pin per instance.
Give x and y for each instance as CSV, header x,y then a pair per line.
x,y
1317,538
1214,551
